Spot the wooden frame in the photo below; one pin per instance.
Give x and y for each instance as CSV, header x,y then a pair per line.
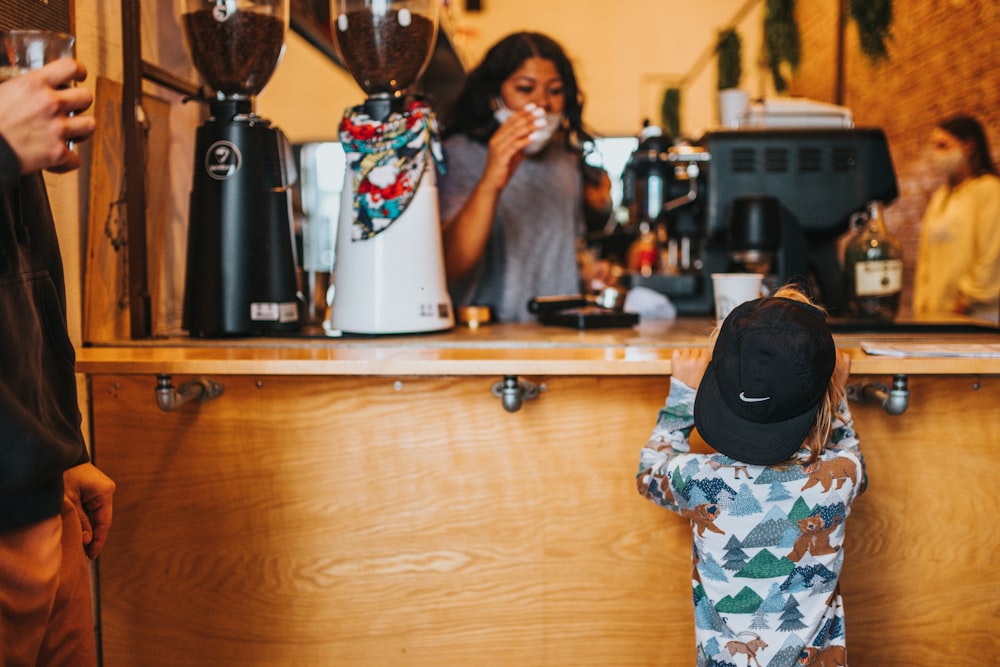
x,y
135,70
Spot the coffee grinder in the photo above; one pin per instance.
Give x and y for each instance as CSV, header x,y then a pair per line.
x,y
389,263
241,265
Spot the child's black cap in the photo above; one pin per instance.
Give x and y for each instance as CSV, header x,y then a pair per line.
x,y
769,372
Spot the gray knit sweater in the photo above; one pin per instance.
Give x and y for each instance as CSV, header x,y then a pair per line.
x,y
532,246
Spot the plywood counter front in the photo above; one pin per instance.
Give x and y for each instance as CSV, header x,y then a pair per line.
x,y
369,502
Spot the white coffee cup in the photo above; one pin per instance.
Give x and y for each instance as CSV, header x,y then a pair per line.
x,y
732,289
732,107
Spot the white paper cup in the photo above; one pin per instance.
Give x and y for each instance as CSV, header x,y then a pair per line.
x,y
732,106
732,289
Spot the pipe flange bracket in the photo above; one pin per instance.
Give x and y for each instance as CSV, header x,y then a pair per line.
x,y
513,392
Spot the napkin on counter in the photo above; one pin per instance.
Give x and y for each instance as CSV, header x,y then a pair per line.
x,y
906,349
650,304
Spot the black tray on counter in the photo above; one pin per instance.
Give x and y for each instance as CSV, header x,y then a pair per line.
x,y
589,317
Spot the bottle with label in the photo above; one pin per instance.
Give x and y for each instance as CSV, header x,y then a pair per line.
x,y
873,266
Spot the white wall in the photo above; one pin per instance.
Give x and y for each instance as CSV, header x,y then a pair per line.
x,y
626,53
307,94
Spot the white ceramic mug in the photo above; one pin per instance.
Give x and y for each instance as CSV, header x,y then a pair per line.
x,y
732,289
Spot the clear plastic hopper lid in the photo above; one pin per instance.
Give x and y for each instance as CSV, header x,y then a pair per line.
x,y
235,44
385,44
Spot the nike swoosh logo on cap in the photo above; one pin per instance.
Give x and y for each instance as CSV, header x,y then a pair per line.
x,y
747,399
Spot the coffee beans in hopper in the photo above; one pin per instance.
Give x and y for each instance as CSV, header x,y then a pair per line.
x,y
384,53
236,56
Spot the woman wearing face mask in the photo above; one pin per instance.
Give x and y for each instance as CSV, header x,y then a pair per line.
x,y
958,265
511,201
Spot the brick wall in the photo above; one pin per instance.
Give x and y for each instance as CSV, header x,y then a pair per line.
x,y
944,59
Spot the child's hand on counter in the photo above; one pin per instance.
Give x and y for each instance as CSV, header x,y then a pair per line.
x,y
688,365
842,370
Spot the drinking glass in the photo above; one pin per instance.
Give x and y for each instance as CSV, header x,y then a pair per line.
x,y
25,50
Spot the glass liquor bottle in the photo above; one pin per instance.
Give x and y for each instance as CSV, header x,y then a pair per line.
x,y
873,266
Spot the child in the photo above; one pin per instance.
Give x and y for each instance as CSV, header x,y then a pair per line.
x,y
768,505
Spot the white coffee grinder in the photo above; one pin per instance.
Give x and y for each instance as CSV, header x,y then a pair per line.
x,y
389,265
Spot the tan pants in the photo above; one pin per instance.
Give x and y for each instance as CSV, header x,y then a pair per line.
x,y
46,616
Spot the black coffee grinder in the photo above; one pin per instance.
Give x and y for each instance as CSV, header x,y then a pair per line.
x,y
241,278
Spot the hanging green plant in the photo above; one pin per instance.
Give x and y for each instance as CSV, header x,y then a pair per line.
x,y
782,43
729,50
874,21
670,112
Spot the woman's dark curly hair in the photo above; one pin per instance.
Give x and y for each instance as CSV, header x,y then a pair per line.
x,y
472,112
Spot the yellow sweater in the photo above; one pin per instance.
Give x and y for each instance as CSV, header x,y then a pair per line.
x,y
960,250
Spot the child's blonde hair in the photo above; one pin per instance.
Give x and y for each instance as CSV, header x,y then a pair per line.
x,y
822,427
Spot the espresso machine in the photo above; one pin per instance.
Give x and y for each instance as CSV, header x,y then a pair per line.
x,y
770,201
389,264
241,264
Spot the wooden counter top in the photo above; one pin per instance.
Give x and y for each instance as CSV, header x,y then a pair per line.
x,y
511,349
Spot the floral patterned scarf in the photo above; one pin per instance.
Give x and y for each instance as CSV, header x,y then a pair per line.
x,y
388,159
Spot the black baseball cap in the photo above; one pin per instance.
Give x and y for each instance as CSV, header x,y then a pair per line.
x,y
769,372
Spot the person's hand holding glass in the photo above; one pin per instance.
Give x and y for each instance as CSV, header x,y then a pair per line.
x,y
39,106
